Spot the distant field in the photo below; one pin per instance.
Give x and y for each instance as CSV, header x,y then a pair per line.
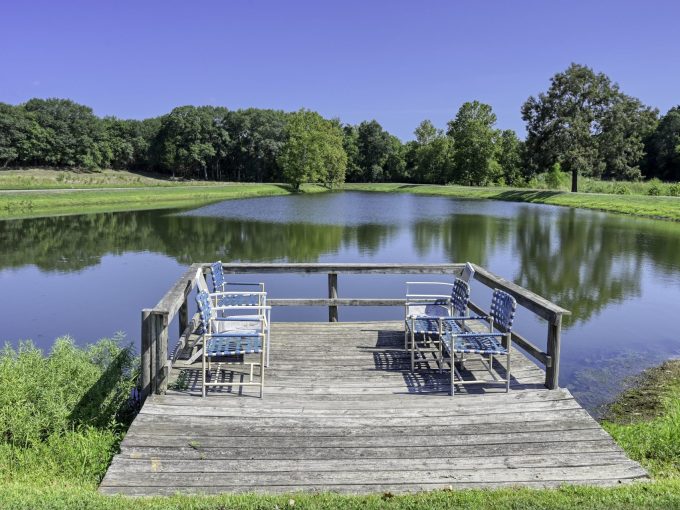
x,y
41,178
56,202
41,192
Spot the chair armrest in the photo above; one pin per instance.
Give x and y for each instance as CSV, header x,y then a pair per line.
x,y
234,334
238,293
242,307
430,283
425,302
428,296
471,335
469,318
426,284
240,318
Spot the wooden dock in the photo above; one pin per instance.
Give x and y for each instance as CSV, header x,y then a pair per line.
x,y
342,412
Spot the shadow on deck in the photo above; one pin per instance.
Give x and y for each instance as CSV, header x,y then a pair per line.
x,y
342,412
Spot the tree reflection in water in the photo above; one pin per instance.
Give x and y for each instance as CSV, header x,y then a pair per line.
x,y
605,268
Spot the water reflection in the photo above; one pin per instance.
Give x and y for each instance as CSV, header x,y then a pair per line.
x,y
464,237
613,272
72,243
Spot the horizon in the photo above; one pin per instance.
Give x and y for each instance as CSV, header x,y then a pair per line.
x,y
388,62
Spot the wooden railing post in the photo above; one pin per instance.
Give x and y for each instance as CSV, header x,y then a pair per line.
x,y
161,330
183,314
552,373
154,352
332,294
148,352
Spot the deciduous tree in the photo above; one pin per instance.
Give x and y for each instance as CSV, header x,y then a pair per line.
x,y
474,138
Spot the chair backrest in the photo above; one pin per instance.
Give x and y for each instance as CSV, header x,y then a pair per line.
x,y
205,310
468,272
217,275
460,296
503,307
200,281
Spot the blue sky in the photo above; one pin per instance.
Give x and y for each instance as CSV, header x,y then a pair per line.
x,y
394,61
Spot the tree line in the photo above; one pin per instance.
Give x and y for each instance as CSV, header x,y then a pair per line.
x,y
583,124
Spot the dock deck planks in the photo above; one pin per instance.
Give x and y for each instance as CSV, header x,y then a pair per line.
x,y
342,412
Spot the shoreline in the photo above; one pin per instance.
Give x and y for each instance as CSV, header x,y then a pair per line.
x,y
641,206
115,193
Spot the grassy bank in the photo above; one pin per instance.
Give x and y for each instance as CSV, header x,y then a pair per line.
x,y
43,203
45,178
41,192
638,205
645,420
62,417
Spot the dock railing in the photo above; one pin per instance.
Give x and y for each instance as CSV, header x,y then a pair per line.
x,y
156,321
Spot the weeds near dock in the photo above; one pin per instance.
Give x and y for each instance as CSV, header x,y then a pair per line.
x,y
645,420
63,415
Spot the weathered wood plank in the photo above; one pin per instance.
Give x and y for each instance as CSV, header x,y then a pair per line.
x,y
599,458
213,427
388,441
316,452
343,412
300,479
451,411
533,302
348,268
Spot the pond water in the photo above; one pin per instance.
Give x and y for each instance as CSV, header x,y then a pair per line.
x,y
89,276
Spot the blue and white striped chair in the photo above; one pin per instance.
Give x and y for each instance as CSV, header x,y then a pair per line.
x,y
230,336
242,294
459,341
425,314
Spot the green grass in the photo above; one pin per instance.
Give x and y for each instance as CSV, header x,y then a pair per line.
x,y
43,203
660,207
45,178
63,415
645,420
658,495
45,192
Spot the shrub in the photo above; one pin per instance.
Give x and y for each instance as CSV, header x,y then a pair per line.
x,y
674,189
555,178
621,189
65,412
654,190
71,387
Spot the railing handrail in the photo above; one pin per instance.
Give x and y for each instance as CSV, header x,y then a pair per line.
x,y
155,321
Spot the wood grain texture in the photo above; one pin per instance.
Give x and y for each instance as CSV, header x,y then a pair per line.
x,y
342,412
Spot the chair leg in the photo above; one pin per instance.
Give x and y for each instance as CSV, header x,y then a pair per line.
x,y
453,385
269,323
204,375
262,358
413,344
507,372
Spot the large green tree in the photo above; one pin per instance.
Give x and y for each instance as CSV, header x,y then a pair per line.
x,y
663,148
256,140
313,151
433,154
190,139
72,136
22,139
375,146
509,155
585,123
474,139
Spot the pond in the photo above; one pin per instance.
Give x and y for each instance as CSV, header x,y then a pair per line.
x,y
89,276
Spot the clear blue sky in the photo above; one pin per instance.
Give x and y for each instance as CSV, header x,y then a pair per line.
x,y
396,61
